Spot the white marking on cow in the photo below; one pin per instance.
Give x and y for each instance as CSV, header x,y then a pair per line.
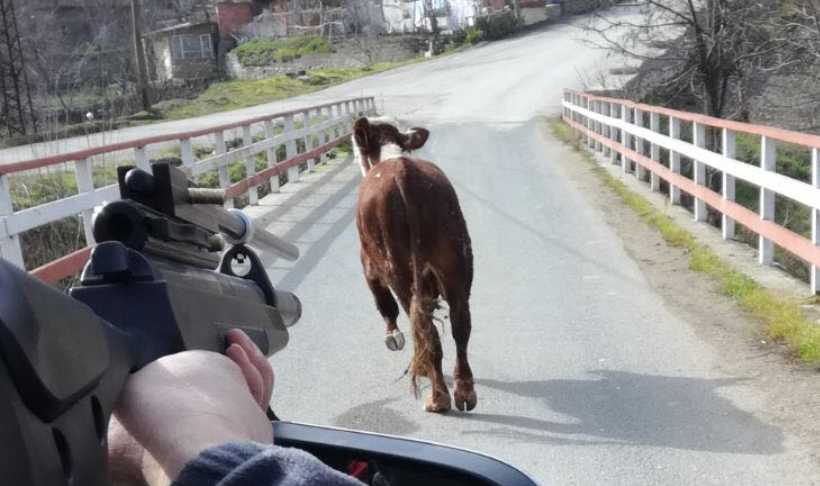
x,y
390,151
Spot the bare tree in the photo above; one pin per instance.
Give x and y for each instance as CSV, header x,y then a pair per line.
x,y
74,58
365,25
711,48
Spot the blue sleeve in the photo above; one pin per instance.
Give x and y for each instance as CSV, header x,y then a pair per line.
x,y
251,464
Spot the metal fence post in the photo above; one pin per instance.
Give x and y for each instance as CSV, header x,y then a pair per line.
x,y
270,154
85,185
325,133
250,165
768,161
336,115
599,127
613,135
815,219
308,139
640,170
589,124
728,184
674,160
655,151
291,149
9,245
222,167
625,139
186,152
606,129
699,140
141,159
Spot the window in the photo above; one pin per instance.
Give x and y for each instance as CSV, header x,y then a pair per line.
x,y
192,46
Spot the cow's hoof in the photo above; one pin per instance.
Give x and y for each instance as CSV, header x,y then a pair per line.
x,y
394,340
438,403
465,398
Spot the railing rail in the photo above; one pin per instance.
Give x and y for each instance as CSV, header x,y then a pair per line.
x,y
618,129
317,128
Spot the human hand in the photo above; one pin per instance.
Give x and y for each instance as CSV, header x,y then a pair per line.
x,y
176,407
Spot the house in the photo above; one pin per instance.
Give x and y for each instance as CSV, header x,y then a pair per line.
x,y
399,16
183,51
280,18
405,16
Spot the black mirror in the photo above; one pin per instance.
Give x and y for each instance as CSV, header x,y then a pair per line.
x,y
395,461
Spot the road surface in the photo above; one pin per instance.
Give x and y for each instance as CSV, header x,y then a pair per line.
x,y
584,376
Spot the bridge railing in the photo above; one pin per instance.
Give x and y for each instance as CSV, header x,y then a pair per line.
x,y
628,132
314,129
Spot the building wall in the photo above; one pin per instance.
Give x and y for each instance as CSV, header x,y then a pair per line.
x,y
198,68
232,16
160,58
398,16
533,15
166,64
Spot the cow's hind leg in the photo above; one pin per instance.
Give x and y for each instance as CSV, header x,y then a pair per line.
x,y
427,359
439,399
393,337
464,393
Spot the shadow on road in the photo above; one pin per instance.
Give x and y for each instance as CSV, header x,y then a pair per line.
x,y
376,417
303,193
634,409
309,259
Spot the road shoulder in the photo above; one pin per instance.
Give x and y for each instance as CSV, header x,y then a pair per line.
x,y
791,391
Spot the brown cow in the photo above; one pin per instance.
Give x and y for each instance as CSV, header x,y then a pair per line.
x,y
414,241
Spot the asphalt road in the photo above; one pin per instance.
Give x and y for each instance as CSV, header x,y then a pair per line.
x,y
584,376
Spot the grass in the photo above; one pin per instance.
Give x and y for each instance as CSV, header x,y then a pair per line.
x,y
782,316
232,95
264,52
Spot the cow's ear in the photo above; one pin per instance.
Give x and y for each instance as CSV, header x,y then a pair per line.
x,y
361,133
415,138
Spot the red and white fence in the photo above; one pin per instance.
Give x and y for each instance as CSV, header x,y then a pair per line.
x,y
619,127
331,123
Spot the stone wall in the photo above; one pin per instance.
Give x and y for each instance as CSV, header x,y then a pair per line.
x,y
348,54
533,15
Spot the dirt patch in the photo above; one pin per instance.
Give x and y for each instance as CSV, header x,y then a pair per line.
x,y
791,390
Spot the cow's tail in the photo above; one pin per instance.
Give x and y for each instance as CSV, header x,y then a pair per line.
x,y
421,319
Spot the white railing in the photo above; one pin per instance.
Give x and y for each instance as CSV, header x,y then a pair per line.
x,y
317,128
619,129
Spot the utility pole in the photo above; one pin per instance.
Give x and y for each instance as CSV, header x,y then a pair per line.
x,y
139,53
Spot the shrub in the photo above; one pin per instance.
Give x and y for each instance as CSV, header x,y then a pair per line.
x,y
498,25
473,35
263,52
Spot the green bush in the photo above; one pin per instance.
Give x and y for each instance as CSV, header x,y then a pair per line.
x,y
473,35
498,25
263,52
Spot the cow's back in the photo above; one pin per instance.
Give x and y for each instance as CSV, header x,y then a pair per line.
x,y
382,216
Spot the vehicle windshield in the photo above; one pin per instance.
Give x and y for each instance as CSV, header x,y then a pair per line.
x,y
579,236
